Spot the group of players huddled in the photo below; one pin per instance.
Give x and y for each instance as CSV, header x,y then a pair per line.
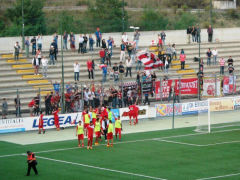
x,y
98,121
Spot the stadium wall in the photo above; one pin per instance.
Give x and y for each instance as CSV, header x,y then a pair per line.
x,y
173,36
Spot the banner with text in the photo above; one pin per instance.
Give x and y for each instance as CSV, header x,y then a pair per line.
x,y
187,86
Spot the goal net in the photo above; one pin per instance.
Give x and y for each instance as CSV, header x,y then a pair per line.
x,y
221,113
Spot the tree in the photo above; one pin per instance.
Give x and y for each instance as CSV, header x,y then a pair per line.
x,y
152,20
34,20
107,14
185,20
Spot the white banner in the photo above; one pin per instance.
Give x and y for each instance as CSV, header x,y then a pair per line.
x,y
142,113
12,125
211,88
65,120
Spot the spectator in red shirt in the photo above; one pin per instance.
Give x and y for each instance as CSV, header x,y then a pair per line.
x,y
90,69
102,55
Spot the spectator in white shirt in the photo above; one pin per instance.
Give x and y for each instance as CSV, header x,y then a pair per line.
x,y
215,54
125,38
39,42
35,63
129,67
80,48
44,66
76,66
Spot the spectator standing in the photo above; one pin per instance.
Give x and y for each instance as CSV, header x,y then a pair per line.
x,y
182,59
174,52
169,53
39,56
4,109
110,44
189,31
104,45
210,33
98,35
27,44
115,72
160,42
91,42
194,34
129,67
39,42
215,54
34,42
44,66
17,103
102,55
76,67
104,72
121,70
198,34
230,69
54,44
51,55
85,40
166,66
163,37
72,42
16,51
139,64
230,61
90,69
36,64
222,64
80,45
65,38
209,56
176,95
124,38
122,51
136,38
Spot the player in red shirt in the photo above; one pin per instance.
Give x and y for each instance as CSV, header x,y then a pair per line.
x,y
56,118
90,130
133,113
40,126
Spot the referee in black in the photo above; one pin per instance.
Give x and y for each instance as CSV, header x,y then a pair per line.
x,y
31,160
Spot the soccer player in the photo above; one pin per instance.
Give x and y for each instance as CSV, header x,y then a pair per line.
x,y
110,114
130,113
31,160
90,129
135,114
86,121
110,134
40,126
80,134
118,127
56,118
97,130
94,116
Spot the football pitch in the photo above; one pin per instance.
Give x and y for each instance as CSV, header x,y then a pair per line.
x,y
178,154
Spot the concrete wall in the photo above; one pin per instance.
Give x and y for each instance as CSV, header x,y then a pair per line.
x,y
225,4
178,37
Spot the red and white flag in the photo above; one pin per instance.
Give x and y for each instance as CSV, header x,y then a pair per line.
x,y
150,60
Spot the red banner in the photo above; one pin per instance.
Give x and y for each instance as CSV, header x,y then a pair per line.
x,y
229,84
188,86
166,86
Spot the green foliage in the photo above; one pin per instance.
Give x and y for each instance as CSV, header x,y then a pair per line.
x,y
107,14
82,3
153,20
232,13
34,21
188,3
185,20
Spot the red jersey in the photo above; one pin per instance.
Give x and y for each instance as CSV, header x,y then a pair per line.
x,y
41,120
90,131
89,65
55,114
131,108
83,115
102,53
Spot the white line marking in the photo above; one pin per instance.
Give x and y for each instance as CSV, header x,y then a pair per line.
x,y
175,142
218,177
100,168
226,142
124,142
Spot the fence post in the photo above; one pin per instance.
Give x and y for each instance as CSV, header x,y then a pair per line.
x,y
215,76
179,81
199,87
122,93
141,84
39,92
161,89
17,104
173,110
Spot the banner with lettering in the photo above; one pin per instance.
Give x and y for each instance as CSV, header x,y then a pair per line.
x,y
187,86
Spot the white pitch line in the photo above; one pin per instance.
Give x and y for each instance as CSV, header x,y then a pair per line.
x,y
124,142
226,142
219,177
182,143
100,168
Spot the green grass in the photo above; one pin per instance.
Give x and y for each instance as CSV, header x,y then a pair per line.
x,y
148,157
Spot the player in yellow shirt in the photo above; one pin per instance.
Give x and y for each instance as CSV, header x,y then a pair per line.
x,y
110,133
97,130
80,134
118,127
